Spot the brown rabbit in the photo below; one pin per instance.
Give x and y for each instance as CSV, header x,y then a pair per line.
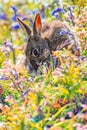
x,y
43,40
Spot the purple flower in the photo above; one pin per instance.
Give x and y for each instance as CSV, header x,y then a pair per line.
x,y
57,10
25,18
9,44
32,12
42,12
14,8
82,58
15,26
3,77
3,16
57,16
70,12
14,74
68,32
71,15
26,92
15,13
14,17
65,31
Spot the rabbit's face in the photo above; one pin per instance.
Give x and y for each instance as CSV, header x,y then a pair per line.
x,y
37,50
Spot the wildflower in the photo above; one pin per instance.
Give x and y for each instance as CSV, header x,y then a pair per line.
x,y
15,26
71,15
9,44
8,98
57,10
3,16
57,16
77,52
14,8
42,10
57,104
68,32
70,12
14,74
32,12
15,13
63,32
25,18
26,92
3,77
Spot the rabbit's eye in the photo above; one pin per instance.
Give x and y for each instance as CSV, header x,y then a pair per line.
x,y
35,52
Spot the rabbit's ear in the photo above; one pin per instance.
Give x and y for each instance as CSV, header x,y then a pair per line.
x,y
24,27
37,25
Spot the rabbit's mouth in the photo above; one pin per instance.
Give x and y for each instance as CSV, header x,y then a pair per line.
x,y
39,63
44,57
46,53
35,63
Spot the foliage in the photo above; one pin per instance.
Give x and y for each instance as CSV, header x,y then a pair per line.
x,y
57,99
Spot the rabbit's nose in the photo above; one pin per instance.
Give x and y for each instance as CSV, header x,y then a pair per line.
x,y
39,63
46,53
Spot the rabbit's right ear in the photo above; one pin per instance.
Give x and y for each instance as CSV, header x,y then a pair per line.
x,y
37,25
25,28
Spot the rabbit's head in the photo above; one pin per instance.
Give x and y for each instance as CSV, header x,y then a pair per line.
x,y
37,49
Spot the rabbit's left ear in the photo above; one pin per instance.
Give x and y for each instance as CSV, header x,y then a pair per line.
x,y
37,25
25,28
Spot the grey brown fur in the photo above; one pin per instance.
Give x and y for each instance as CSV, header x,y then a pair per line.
x,y
43,40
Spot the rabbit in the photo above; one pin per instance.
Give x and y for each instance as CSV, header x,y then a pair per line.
x,y
42,40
